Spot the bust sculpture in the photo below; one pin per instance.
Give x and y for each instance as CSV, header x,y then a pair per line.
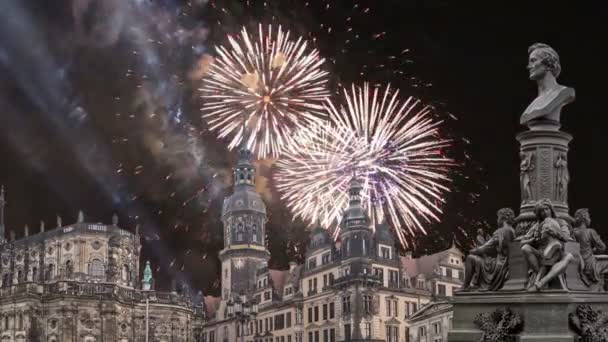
x,y
545,110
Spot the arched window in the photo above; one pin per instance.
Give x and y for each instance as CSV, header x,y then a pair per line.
x,y
125,273
6,322
34,274
5,280
254,232
20,322
226,334
50,272
19,276
69,268
96,268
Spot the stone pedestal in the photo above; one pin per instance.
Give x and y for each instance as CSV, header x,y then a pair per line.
x,y
545,315
543,172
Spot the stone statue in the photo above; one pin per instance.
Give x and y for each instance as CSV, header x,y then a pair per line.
x,y
80,216
590,245
544,68
59,223
147,280
42,226
486,267
526,167
543,247
481,238
115,220
562,177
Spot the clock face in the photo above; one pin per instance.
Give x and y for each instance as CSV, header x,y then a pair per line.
x,y
239,263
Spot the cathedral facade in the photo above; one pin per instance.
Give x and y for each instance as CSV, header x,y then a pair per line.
x,y
80,282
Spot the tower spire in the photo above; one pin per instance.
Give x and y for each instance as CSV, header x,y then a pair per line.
x,y
244,172
355,215
2,203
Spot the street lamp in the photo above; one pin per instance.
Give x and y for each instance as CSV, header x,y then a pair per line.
x,y
244,310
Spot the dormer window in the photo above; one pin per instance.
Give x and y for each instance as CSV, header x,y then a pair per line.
x,y
312,263
325,258
385,252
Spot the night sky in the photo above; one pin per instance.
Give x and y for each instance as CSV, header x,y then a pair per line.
x,y
99,109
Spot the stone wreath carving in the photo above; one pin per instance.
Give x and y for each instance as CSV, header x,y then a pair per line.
x,y
500,325
589,324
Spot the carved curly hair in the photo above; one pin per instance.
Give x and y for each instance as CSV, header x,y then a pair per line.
x,y
549,56
582,215
506,214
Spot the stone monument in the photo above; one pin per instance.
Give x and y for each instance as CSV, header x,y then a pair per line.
x,y
147,279
540,276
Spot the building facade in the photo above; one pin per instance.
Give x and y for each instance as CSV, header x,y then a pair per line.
x,y
359,289
79,282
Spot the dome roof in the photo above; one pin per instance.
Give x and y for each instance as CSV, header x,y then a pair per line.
x,y
244,198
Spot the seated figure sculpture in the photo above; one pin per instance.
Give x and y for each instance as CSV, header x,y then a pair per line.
x,y
590,245
486,267
543,247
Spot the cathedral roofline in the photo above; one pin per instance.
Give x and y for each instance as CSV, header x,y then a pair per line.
x,y
73,229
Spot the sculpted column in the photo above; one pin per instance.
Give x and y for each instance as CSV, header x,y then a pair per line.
x,y
544,148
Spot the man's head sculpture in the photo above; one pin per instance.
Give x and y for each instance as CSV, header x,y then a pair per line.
x,y
582,216
506,215
542,56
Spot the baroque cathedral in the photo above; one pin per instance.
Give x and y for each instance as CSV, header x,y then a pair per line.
x,y
80,282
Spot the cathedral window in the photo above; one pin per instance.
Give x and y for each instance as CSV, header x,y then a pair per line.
x,y
69,268
50,272
96,268
125,273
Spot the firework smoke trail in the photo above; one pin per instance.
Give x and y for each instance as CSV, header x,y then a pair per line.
x,y
276,81
392,146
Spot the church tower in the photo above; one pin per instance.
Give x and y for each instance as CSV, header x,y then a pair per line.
x,y
244,219
355,232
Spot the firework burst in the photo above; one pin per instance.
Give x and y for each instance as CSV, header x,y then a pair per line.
x,y
276,82
394,147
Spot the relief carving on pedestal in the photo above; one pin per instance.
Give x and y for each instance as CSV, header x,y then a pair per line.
x,y
526,168
500,325
562,177
544,173
589,324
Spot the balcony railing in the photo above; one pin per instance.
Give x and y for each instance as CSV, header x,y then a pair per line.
x,y
103,291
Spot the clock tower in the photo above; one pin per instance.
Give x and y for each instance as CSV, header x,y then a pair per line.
x,y
244,219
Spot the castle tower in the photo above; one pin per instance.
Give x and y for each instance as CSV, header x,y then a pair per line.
x,y
355,230
244,219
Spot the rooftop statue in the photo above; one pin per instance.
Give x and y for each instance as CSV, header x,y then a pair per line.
x,y
147,279
545,110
